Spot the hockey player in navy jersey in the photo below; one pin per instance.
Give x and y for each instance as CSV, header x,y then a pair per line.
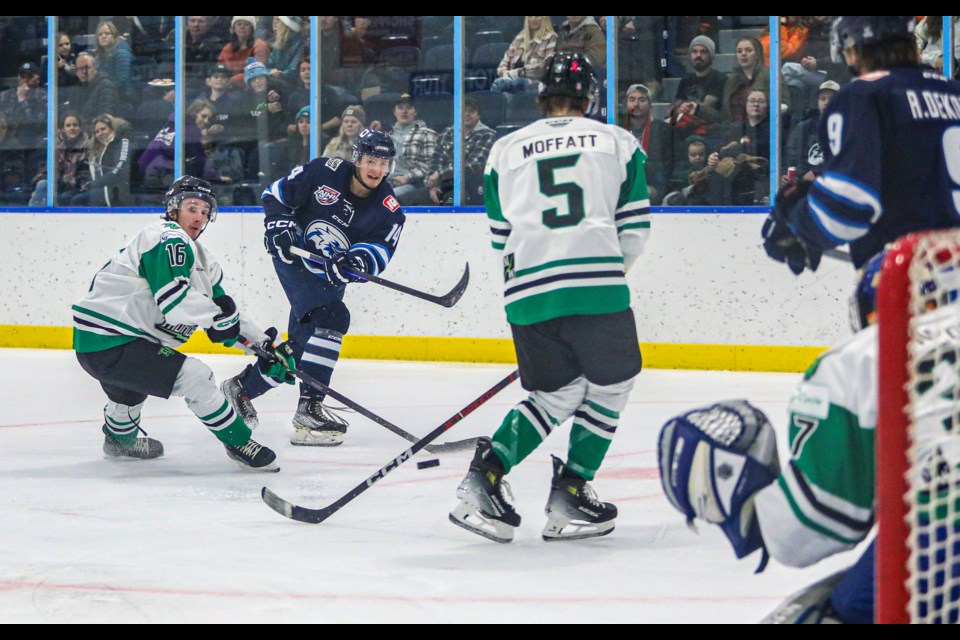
x,y
347,212
891,142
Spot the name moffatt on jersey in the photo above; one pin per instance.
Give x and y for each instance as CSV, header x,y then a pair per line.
x,y
568,205
159,287
891,144
331,218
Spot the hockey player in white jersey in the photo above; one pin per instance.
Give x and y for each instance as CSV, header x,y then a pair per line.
x,y
149,299
568,207
720,463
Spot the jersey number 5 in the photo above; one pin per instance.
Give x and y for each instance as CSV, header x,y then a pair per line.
x,y
572,191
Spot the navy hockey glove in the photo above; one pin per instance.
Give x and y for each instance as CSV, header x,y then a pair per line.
x,y
280,235
779,240
280,366
226,324
346,266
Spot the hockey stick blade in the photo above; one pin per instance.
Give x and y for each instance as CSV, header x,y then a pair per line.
x,y
316,516
837,254
446,447
447,300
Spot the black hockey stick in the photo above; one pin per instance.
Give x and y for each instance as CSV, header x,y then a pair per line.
x,y
837,254
446,447
316,516
446,300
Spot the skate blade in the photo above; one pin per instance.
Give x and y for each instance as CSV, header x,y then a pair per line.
x,y
554,531
465,517
273,467
309,438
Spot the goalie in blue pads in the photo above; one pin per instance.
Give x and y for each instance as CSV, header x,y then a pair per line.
x,y
713,461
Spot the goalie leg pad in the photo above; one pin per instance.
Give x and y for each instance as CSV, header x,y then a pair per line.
x,y
713,461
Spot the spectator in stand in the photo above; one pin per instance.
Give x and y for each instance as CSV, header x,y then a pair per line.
x,y
744,162
25,108
697,103
225,100
66,60
478,139
929,35
93,95
582,34
641,51
109,159
242,45
803,79
158,162
296,150
15,170
73,171
522,64
114,57
803,150
287,49
656,138
203,47
330,104
359,48
793,39
148,35
416,143
750,75
264,115
687,183
353,120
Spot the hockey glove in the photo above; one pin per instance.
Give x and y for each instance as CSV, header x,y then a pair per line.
x,y
280,235
345,267
226,324
779,240
280,366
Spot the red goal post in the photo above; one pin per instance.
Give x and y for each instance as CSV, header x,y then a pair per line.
x,y
918,431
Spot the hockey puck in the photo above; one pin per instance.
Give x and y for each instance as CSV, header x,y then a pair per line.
x,y
426,464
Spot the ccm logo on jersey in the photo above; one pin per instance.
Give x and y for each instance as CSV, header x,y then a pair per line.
x,y
281,224
326,196
391,203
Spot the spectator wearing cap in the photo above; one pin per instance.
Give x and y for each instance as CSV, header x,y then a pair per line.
x,y
699,93
94,94
522,63
220,93
242,45
655,138
114,56
352,121
478,139
416,144
287,49
582,34
264,117
296,149
803,149
25,108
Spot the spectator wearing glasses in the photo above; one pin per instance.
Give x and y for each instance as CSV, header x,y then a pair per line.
x,y
744,161
94,94
243,45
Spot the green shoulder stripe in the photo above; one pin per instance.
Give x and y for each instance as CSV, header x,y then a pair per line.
x,y
491,196
634,187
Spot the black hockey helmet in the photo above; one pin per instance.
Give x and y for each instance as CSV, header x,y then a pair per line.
x,y
570,75
189,187
849,31
375,144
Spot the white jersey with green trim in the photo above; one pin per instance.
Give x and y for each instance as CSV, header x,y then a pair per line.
x,y
159,287
823,501
568,206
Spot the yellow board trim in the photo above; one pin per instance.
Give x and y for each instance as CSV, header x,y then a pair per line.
x,y
719,357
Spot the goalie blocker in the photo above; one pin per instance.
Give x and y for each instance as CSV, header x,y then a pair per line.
x,y
713,461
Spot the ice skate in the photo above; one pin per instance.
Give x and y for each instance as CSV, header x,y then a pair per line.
x,y
315,425
482,508
253,456
240,402
573,510
139,449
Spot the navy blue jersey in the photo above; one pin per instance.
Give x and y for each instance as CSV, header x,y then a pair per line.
x,y
330,218
891,143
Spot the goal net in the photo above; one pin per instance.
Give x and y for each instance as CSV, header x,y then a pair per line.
x,y
918,443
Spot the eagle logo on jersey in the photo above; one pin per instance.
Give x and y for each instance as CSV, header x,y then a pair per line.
x,y
815,155
325,239
391,203
326,195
